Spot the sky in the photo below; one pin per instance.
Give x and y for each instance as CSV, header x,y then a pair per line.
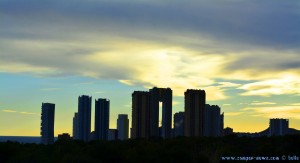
x,y
244,54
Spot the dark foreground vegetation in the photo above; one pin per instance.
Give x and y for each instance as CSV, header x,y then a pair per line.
x,y
152,150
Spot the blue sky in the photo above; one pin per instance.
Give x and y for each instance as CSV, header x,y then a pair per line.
x,y
245,54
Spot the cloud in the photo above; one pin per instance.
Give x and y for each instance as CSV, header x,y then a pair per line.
x,y
28,113
233,113
86,83
24,68
9,111
228,84
127,82
284,85
295,104
172,68
214,93
262,103
51,89
257,22
265,60
274,111
20,112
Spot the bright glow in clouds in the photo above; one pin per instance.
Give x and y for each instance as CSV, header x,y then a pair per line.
x,y
285,85
155,65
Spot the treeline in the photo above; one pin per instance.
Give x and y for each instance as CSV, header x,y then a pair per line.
x,y
153,150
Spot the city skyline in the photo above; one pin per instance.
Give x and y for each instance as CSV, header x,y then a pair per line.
x,y
244,54
199,119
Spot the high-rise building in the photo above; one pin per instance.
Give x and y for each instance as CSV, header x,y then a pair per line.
x,y
101,119
123,126
84,117
145,113
47,124
194,118
75,126
278,127
213,121
179,124
140,115
163,95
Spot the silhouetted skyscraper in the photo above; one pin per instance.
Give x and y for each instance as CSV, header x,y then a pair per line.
x,y
84,117
140,115
75,126
213,121
278,127
101,119
163,95
47,124
194,106
145,113
123,126
179,124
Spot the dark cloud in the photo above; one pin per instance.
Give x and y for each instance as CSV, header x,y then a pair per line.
x,y
259,23
266,61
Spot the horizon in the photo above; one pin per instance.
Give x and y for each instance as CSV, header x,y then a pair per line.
x,y
244,54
